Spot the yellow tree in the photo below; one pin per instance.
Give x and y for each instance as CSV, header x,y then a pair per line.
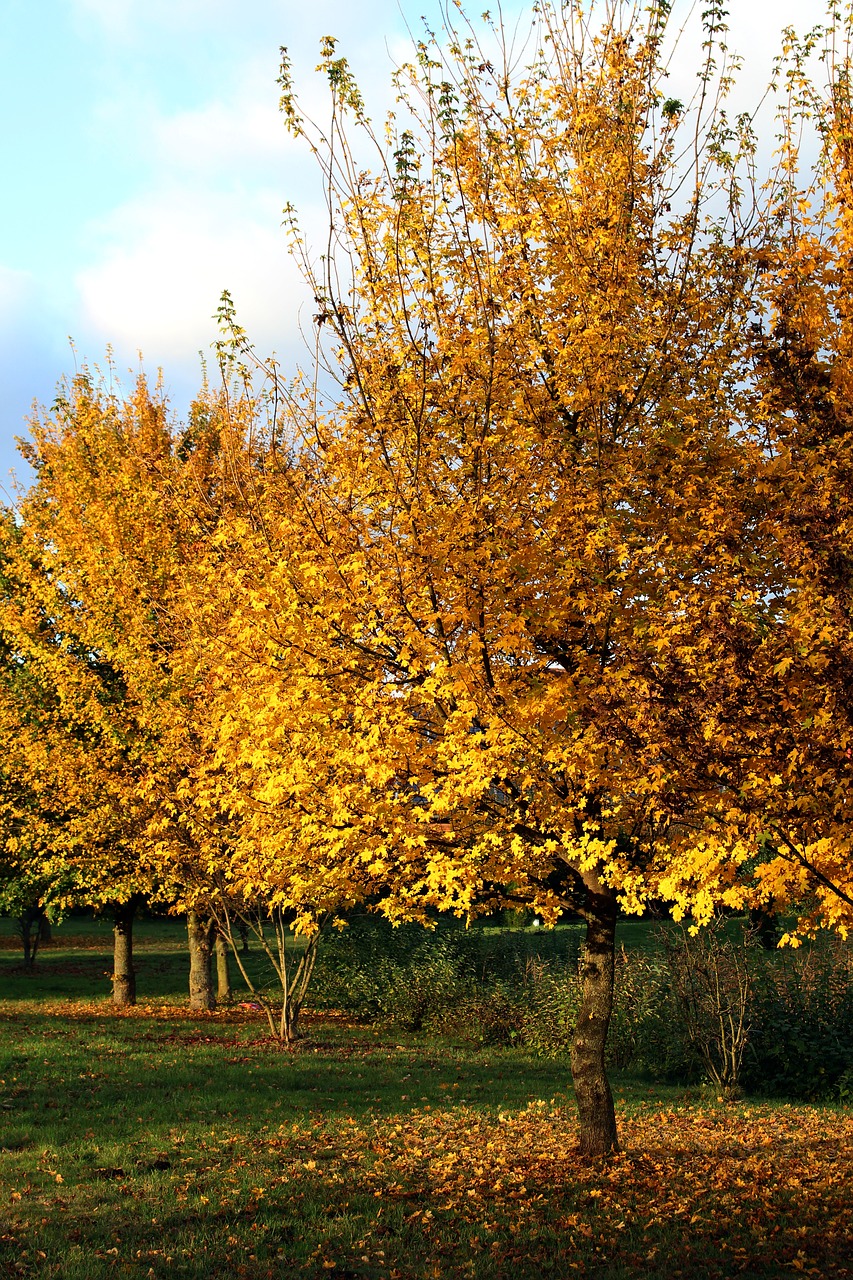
x,y
493,587
72,814
114,552
93,559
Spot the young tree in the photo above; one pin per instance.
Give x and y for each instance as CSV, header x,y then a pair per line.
x,y
70,814
117,552
86,565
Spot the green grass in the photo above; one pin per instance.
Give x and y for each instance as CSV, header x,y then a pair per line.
x,y
77,963
157,1143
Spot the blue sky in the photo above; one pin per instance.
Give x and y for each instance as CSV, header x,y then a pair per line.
x,y
146,166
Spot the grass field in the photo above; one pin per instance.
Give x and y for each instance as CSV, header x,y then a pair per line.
x,y
157,1143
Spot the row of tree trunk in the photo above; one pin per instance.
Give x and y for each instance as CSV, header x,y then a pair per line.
x,y
210,984
596,1114
205,945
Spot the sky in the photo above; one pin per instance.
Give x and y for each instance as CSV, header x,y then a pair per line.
x,y
146,166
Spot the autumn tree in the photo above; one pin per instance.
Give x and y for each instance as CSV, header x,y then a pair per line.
x,y
793,785
780,729
71,817
115,549
87,571
499,578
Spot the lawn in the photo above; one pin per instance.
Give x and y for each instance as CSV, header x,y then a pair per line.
x,y
157,1143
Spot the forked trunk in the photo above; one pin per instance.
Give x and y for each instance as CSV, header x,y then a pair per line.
x,y
223,971
592,1089
200,937
124,974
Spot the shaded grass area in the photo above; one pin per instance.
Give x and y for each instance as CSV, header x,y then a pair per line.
x,y
96,931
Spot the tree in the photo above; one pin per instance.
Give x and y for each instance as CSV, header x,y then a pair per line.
x,y
493,581
86,741
800,781
114,550
783,728
70,824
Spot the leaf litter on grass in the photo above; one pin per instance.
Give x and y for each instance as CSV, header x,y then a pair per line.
x,y
695,1192
758,1191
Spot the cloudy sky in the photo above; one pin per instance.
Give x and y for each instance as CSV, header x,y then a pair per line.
x,y
146,167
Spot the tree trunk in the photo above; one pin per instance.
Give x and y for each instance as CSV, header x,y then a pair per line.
x,y
592,1088
223,971
200,935
29,925
124,974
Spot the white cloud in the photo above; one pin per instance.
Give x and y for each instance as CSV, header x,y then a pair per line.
x,y
170,254
208,218
222,137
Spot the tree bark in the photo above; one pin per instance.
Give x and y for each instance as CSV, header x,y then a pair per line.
x,y
124,974
29,923
223,971
592,1089
200,936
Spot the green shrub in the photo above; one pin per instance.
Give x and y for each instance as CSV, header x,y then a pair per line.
x,y
552,1008
801,1045
711,977
467,982
673,1008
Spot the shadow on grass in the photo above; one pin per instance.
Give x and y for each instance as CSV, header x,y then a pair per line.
x,y
173,1070
76,974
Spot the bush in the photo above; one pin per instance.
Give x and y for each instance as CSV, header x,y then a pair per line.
x,y
712,980
718,1005
552,1009
776,1022
468,982
801,1044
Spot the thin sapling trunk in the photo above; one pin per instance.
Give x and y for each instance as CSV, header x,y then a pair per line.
x,y
293,974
